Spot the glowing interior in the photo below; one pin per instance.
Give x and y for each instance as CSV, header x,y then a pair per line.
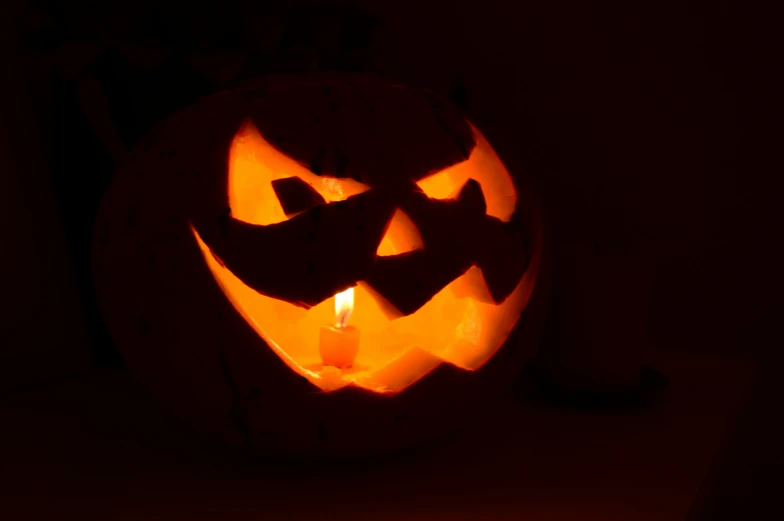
x,y
460,324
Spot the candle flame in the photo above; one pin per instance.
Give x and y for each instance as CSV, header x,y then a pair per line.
x,y
344,305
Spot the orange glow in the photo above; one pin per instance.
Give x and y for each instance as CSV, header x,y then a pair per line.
x,y
344,305
402,236
483,166
254,163
460,324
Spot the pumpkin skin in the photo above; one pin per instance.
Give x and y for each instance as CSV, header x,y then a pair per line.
x,y
191,348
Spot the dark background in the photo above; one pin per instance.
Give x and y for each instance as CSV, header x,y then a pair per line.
x,y
646,127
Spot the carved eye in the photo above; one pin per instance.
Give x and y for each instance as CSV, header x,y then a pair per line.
x,y
268,187
482,166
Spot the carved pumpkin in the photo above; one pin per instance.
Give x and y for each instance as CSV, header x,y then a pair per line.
x,y
328,265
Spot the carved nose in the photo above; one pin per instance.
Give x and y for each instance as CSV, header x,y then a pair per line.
x,y
401,236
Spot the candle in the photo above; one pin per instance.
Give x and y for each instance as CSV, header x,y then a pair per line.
x,y
339,344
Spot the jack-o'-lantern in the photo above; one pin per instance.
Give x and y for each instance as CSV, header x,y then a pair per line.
x,y
330,265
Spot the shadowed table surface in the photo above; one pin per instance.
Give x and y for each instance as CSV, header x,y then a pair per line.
x,y
96,447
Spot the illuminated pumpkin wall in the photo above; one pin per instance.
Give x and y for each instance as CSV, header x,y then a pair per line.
x,y
415,261
460,324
